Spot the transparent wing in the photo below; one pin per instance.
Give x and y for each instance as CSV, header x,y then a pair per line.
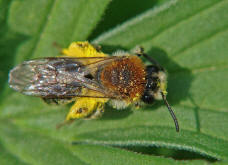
x,y
58,77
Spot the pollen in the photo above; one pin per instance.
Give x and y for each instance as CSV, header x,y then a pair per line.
x,y
82,49
84,106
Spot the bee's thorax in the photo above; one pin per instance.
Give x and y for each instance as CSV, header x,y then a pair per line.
x,y
125,76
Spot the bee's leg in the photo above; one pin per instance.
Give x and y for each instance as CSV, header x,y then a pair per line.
x,y
57,101
83,108
86,107
139,51
138,104
58,126
97,47
97,113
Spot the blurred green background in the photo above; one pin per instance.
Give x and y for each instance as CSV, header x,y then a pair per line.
x,y
188,38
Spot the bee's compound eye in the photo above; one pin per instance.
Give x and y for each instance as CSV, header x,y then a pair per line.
x,y
152,83
147,98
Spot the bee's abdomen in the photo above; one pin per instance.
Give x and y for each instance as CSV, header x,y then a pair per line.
x,y
125,76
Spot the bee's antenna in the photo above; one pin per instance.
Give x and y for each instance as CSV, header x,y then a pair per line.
x,y
58,126
139,51
171,111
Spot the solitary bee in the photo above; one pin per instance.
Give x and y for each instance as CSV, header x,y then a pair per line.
x,y
91,78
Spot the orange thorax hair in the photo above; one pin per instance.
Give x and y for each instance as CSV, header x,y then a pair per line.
x,y
125,76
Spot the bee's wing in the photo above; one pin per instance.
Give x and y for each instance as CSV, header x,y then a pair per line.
x,y
57,77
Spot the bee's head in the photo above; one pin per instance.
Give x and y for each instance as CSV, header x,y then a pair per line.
x,y
156,88
155,84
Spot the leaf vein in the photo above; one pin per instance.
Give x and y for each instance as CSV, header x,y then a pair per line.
x,y
217,110
202,40
176,23
203,68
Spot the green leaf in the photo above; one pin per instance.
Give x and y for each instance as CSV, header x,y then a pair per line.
x,y
61,22
102,155
188,38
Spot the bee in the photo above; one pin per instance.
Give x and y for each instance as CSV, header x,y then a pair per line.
x,y
91,78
